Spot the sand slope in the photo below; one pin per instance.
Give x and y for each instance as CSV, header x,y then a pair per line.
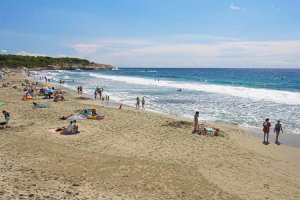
x,y
135,155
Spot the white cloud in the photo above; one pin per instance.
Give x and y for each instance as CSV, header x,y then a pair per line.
x,y
234,7
3,51
173,52
24,53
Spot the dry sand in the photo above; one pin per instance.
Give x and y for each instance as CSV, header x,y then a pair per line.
x,y
134,155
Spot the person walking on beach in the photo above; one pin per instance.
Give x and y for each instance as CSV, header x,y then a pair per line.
x,y
277,130
137,105
196,122
266,129
6,117
78,89
143,103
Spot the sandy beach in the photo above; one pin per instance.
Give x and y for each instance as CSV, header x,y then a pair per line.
x,y
134,155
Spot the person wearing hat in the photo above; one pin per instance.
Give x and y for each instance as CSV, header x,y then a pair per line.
x,y
277,130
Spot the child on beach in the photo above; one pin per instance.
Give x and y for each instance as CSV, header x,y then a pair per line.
x,y
266,129
277,130
196,122
6,117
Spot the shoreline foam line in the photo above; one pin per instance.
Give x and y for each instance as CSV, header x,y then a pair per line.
x,y
257,94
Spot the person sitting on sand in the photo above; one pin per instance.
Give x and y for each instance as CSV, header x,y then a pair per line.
x,y
266,129
277,130
58,97
196,122
70,128
94,113
6,117
75,130
204,131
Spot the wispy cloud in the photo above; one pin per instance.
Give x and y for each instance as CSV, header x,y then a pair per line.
x,y
234,7
174,52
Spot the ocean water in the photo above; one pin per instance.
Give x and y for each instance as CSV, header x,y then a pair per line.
x,y
239,96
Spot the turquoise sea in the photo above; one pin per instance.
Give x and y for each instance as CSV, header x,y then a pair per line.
x,y
239,96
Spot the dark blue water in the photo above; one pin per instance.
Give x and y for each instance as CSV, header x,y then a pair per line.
x,y
276,79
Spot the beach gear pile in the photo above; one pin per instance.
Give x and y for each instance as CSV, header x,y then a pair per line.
x,y
91,114
27,96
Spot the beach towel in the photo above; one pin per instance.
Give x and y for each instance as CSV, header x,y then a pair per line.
x,y
41,105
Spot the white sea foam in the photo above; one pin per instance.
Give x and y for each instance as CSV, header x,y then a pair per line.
x,y
276,96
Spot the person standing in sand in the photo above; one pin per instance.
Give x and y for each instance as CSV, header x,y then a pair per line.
x,y
80,89
137,105
196,122
96,92
143,103
277,130
266,129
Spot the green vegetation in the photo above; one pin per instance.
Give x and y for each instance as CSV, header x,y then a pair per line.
x,y
16,61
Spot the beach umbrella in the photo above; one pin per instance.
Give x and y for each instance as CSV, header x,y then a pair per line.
x,y
75,117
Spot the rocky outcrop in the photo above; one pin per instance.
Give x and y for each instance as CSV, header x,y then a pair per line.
x,y
49,63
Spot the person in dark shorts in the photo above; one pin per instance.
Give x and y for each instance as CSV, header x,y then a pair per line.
x,y
266,129
277,130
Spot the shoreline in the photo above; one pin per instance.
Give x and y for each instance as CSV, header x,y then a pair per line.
x,y
291,140
134,155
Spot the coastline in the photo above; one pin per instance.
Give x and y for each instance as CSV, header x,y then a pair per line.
x,y
135,155
292,140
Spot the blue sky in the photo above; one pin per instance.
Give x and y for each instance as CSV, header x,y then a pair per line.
x,y
156,33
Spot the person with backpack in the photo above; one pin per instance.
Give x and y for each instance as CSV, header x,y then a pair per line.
x,y
277,130
266,130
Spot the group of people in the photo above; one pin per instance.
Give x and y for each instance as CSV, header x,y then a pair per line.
x,y
98,91
205,130
47,80
72,128
79,89
266,130
138,102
